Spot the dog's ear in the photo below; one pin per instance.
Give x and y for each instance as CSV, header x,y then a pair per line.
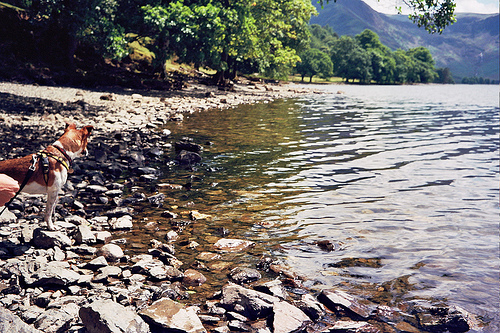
x,y
70,125
88,130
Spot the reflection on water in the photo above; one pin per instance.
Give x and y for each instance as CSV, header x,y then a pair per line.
x,y
404,180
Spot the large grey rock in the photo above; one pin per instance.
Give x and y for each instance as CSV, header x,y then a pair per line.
x,y
106,316
174,316
45,239
12,323
288,318
54,273
250,303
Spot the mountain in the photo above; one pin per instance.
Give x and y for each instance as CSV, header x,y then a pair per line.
x,y
470,47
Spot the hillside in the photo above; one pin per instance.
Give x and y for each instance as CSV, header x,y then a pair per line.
x,y
470,47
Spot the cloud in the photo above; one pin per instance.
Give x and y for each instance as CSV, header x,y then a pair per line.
x,y
463,6
475,6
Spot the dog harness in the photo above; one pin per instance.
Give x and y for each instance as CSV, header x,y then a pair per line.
x,y
44,159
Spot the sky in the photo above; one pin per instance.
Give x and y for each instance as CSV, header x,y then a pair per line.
x,y
463,6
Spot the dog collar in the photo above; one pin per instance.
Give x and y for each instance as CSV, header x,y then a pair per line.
x,y
65,154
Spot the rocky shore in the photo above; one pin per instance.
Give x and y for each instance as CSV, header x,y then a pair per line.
x,y
81,278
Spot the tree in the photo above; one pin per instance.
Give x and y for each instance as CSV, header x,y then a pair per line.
x,y
314,61
422,65
350,60
382,62
445,76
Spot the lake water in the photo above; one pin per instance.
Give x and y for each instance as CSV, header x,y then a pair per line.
x,y
402,180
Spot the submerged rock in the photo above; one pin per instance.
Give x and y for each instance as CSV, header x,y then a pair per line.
x,y
242,275
233,245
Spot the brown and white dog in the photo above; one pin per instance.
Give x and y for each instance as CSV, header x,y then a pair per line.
x,y
60,155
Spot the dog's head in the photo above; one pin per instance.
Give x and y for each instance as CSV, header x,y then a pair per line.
x,y
75,140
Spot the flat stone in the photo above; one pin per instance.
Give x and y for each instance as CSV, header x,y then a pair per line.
x,y
171,315
54,320
274,288
208,256
196,215
97,189
348,326
311,306
97,263
103,236
108,271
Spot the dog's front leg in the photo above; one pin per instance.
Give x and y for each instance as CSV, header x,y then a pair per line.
x,y
50,209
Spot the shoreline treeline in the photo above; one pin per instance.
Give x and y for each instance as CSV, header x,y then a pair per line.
x,y
363,58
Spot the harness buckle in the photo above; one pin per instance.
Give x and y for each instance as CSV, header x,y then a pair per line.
x,y
33,163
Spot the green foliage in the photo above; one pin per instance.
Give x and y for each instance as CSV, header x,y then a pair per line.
x,y
315,62
478,80
366,59
444,76
433,15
